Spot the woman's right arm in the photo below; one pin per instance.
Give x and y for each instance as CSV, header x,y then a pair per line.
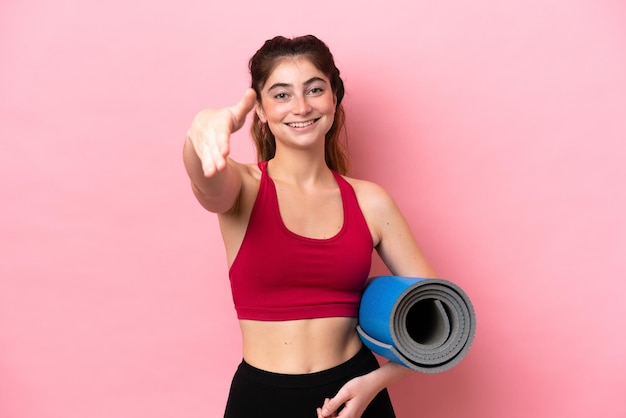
x,y
216,179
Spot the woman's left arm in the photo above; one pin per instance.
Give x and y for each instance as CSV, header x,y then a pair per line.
x,y
398,248
393,238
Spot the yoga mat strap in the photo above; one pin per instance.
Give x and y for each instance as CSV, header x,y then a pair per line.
x,y
427,325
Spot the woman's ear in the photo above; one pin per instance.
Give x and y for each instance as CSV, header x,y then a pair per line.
x,y
259,112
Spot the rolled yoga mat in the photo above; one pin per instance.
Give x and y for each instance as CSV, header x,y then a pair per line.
x,y
427,325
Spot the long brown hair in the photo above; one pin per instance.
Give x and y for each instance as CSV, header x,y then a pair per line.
x,y
261,66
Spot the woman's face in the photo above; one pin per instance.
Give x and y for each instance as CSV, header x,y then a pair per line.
x,y
297,103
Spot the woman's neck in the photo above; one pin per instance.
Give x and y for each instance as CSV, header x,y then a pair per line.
x,y
302,168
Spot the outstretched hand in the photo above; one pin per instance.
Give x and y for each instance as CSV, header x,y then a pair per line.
x,y
210,132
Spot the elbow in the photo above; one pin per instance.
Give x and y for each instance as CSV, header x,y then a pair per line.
x,y
214,204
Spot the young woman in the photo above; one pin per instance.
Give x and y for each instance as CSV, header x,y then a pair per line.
x,y
299,236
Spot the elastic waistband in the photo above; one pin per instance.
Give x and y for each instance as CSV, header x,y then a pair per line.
x,y
363,362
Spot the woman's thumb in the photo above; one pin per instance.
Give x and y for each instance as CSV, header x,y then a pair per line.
x,y
241,109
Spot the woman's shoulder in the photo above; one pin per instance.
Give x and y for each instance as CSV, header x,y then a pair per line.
x,y
377,206
370,194
249,171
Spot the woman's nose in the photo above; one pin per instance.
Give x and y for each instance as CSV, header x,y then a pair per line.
x,y
301,105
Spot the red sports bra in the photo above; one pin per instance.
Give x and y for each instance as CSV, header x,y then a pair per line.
x,y
278,275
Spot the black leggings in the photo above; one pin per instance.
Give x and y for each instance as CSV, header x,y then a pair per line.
x,y
258,393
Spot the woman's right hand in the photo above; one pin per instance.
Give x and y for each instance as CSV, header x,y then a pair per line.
x,y
210,132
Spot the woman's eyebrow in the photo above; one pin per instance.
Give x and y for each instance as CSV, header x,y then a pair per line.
x,y
287,85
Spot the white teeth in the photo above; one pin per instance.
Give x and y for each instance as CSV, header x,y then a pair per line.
x,y
301,124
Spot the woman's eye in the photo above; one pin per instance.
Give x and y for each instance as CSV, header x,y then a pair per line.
x,y
316,90
281,96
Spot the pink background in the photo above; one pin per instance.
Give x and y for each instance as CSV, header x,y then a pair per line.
x,y
499,127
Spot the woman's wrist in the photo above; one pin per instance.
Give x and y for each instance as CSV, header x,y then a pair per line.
x,y
389,373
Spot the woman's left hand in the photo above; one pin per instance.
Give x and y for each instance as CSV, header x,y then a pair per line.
x,y
355,396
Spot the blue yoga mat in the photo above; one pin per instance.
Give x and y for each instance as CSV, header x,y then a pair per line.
x,y
427,325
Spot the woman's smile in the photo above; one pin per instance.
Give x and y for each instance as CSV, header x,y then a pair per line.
x,y
301,125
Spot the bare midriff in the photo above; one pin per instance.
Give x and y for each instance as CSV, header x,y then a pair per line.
x,y
299,346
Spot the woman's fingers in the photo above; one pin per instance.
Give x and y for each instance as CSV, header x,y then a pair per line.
x,y
210,132
219,148
328,413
